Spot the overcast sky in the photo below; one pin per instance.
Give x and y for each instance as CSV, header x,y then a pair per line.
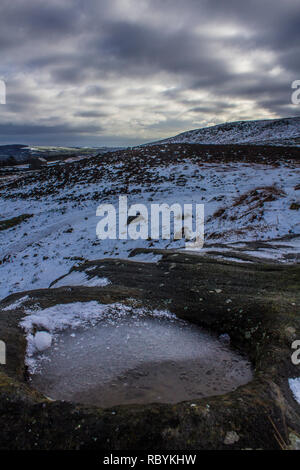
x,y
123,72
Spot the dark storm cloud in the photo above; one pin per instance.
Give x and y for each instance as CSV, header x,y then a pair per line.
x,y
28,129
34,18
144,66
151,48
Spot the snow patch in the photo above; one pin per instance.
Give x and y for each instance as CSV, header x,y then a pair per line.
x,y
18,303
79,278
295,388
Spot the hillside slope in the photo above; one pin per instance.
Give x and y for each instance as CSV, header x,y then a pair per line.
x,y
262,132
48,217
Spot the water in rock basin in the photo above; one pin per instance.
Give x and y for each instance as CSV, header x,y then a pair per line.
x,y
139,361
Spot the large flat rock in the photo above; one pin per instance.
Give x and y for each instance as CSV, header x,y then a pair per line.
x,y
256,304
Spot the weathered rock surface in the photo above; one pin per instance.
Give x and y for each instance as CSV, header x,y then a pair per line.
x,y
256,304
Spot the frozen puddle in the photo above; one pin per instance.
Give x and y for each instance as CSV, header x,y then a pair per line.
x,y
136,357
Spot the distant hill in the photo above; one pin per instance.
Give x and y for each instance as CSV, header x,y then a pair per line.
x,y
284,131
17,152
